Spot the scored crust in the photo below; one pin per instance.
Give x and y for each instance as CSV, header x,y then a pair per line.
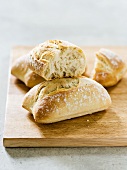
x,y
109,68
66,98
22,72
57,59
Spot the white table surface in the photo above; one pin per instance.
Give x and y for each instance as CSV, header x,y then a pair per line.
x,y
83,22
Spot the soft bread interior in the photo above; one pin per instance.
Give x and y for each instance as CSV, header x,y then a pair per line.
x,y
60,58
68,65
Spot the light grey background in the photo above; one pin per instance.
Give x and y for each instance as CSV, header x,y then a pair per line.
x,y
83,22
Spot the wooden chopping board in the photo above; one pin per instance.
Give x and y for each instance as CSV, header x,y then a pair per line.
x,y
105,128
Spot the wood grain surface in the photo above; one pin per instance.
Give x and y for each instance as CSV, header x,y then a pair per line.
x,y
105,128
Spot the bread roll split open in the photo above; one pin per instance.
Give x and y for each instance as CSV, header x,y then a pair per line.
x,y
57,59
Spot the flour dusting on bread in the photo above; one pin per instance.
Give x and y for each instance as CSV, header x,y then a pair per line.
x,y
57,59
109,68
66,98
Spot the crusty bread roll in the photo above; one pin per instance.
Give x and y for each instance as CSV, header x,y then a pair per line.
x,y
109,68
57,59
22,72
66,98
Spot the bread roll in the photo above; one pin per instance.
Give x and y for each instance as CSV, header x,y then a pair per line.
x,y
66,98
109,68
57,59
23,73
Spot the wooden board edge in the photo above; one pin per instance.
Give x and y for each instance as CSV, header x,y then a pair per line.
x,y
39,142
75,142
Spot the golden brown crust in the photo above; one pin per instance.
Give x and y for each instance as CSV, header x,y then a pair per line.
x,y
22,72
109,68
57,59
65,98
